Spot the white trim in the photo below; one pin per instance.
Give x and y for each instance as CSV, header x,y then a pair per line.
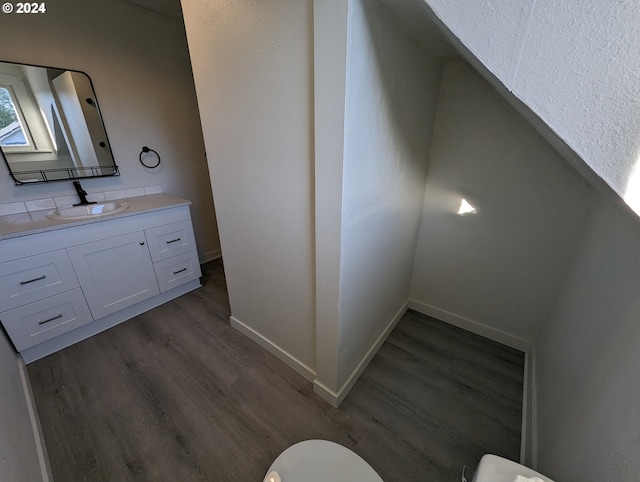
x,y
274,349
336,399
471,325
41,448
325,393
534,411
210,255
525,408
527,440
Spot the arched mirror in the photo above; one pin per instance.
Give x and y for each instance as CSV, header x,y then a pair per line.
x,y
50,125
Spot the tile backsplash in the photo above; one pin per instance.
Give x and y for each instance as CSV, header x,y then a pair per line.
x,y
66,201
12,208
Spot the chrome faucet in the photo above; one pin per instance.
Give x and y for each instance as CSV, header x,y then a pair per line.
x,y
82,194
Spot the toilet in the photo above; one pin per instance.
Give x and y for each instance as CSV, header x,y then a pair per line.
x,y
320,461
497,469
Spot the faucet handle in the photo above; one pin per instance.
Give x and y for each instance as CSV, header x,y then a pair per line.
x,y
82,194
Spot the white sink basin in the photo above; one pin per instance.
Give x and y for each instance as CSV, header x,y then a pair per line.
x,y
89,211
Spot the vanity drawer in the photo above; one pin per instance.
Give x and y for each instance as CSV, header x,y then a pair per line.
x,y
175,271
42,320
170,240
34,278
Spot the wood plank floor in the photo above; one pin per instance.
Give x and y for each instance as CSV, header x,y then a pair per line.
x,y
177,394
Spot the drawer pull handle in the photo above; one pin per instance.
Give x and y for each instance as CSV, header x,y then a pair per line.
x,y
50,319
32,280
173,241
180,271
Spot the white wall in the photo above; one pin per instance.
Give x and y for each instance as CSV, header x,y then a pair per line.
x,y
253,65
575,65
18,448
253,68
391,97
330,21
588,359
497,271
139,64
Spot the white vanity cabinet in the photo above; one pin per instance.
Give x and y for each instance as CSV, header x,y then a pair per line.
x,y
66,284
123,258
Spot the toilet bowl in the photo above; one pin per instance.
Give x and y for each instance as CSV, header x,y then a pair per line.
x,y
320,461
497,469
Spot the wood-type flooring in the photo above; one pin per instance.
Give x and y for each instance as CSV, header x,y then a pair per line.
x,y
176,394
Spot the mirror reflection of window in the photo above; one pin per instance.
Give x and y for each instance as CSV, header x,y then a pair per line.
x,y
38,144
50,125
11,130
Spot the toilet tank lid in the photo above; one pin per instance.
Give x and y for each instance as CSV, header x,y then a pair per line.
x,y
498,469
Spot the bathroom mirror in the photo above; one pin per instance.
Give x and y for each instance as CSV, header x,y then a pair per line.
x,y
50,125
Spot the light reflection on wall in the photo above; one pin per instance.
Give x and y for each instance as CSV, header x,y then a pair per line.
x,y
632,191
465,208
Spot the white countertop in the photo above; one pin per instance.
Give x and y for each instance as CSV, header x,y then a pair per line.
x,y
23,224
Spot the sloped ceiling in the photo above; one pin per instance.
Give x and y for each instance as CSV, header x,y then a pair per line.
x,y
414,19
410,14
171,8
575,69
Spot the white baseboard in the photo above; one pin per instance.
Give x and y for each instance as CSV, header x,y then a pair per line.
x,y
210,256
41,448
471,325
532,428
336,399
325,393
274,349
527,441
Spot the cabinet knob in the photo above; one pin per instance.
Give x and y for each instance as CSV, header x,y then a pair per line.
x,y
141,243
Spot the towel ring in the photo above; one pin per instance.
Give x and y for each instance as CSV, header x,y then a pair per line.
x,y
146,150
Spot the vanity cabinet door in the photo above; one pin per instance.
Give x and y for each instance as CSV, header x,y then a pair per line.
x,y
114,273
